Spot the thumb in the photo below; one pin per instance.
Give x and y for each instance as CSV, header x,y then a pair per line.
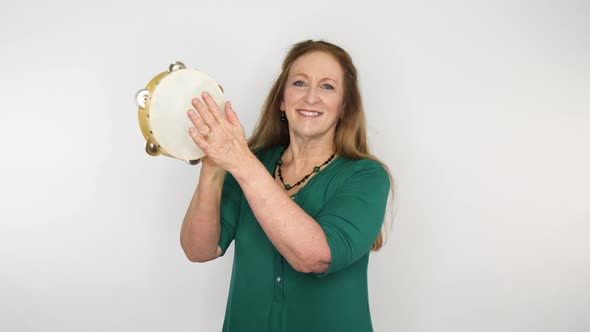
x,y
231,115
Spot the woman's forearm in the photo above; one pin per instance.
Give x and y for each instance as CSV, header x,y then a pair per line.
x,y
199,235
296,235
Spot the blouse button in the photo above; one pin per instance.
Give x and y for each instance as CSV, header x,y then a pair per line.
x,y
278,279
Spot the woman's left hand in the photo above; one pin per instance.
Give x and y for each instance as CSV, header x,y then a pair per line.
x,y
221,138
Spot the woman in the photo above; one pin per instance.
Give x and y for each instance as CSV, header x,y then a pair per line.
x,y
303,199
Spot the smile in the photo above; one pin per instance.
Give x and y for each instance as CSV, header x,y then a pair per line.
x,y
308,113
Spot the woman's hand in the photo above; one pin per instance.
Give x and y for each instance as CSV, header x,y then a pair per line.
x,y
223,140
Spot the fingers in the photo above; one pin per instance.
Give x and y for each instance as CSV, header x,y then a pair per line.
x,y
202,128
227,142
205,113
232,117
211,105
206,123
199,140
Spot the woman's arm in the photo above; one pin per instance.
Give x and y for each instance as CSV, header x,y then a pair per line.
x,y
294,233
199,235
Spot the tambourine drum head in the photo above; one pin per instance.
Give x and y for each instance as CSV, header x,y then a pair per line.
x,y
168,107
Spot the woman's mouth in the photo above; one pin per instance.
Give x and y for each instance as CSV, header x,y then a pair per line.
x,y
309,113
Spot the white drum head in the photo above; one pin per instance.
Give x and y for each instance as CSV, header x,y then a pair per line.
x,y
168,108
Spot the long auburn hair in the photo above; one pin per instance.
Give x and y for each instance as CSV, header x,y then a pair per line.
x,y
350,138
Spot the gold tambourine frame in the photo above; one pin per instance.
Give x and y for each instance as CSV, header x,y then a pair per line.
x,y
142,99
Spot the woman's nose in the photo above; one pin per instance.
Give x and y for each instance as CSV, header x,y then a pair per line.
x,y
311,97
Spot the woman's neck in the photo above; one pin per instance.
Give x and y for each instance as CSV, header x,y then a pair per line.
x,y
302,155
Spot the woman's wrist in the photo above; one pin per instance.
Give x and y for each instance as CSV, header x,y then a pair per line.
x,y
211,173
246,167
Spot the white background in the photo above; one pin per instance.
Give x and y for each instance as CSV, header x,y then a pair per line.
x,y
481,110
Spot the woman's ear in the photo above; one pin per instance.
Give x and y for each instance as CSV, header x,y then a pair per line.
x,y
282,107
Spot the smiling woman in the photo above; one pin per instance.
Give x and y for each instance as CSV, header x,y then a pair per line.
x,y
303,199
313,97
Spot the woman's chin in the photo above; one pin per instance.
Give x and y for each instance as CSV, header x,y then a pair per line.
x,y
310,133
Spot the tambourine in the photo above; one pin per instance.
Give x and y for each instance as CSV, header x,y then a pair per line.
x,y
163,107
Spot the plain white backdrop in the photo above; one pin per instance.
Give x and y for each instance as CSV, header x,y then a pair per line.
x,y
481,110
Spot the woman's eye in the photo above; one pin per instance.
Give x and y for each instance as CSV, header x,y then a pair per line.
x,y
328,86
299,83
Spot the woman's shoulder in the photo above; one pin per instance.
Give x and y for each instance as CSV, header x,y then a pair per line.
x,y
359,173
362,166
366,177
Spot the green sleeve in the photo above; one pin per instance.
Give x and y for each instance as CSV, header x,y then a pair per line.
x,y
229,211
353,216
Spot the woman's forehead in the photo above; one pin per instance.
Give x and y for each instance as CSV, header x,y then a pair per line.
x,y
317,64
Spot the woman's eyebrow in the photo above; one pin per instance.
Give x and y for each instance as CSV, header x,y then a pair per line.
x,y
322,79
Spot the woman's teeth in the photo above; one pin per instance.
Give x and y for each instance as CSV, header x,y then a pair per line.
x,y
309,113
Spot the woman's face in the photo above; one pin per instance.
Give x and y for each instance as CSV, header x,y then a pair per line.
x,y
313,95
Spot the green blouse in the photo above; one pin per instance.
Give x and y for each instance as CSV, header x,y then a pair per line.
x,y
347,198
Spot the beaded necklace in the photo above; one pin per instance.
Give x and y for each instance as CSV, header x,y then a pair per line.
x,y
315,170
